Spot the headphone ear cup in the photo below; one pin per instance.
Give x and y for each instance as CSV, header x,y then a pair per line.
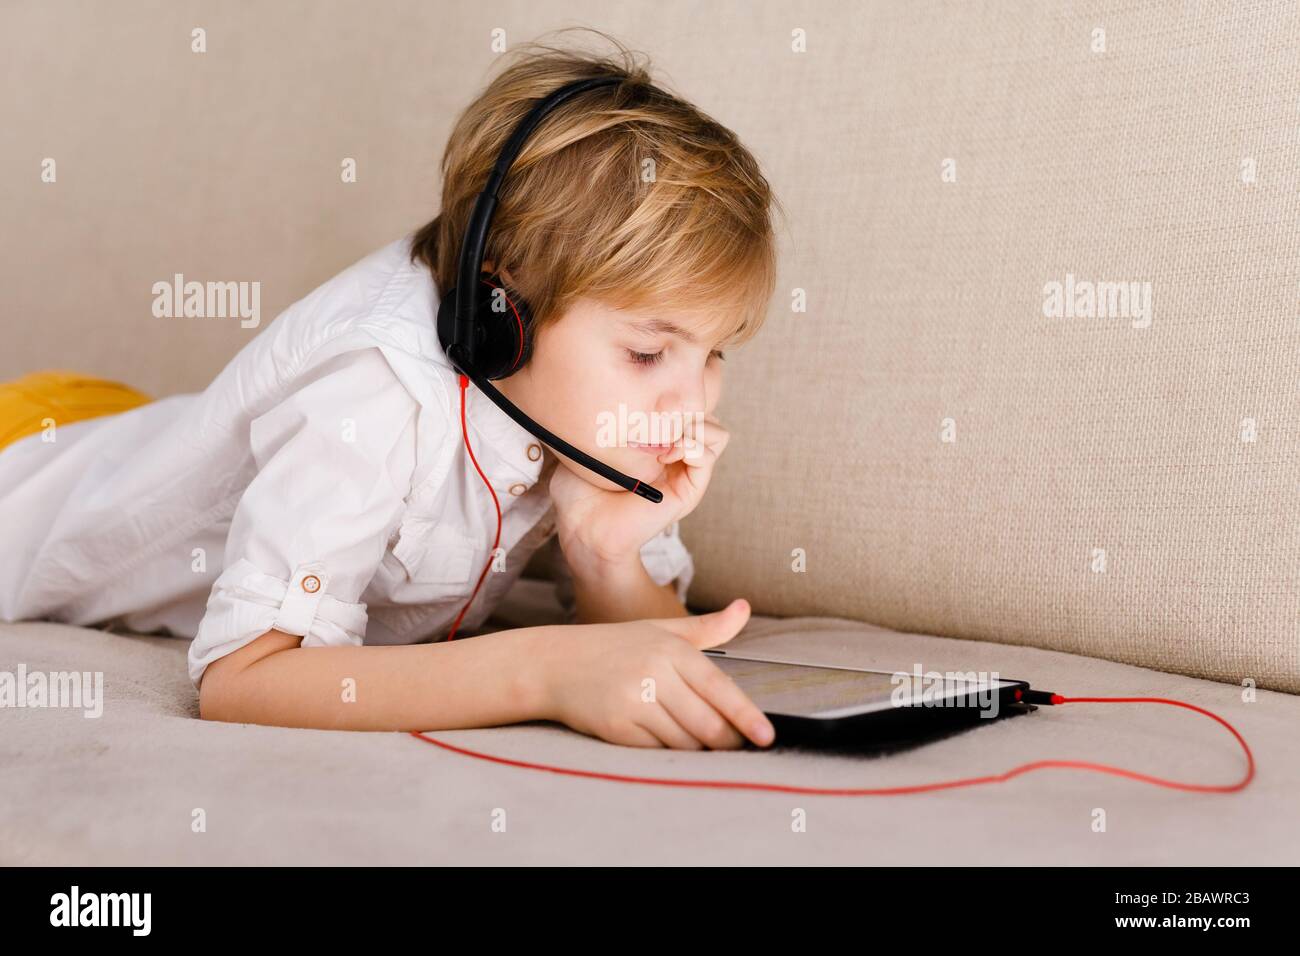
x,y
507,324
525,324
502,328
447,320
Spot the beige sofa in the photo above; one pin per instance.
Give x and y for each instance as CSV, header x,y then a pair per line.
x,y
1101,503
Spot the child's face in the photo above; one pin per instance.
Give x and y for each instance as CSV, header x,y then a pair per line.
x,y
595,358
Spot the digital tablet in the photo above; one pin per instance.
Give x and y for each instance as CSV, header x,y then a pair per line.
x,y
818,703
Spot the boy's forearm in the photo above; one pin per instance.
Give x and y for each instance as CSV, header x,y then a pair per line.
x,y
611,593
482,681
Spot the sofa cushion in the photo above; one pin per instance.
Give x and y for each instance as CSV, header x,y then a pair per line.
x,y
121,788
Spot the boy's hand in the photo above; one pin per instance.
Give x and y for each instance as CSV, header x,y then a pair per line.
x,y
646,684
609,527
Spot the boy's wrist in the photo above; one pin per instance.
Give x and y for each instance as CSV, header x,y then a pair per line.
x,y
529,684
533,684
612,589
594,569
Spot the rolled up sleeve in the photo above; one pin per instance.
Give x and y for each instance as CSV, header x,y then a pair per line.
x,y
334,461
664,557
666,560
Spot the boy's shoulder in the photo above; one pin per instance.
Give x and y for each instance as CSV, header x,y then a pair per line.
x,y
383,301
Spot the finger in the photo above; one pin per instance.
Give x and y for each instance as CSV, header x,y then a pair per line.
x,y
728,699
711,427
700,459
681,451
698,718
711,436
675,451
701,454
672,454
637,736
659,721
697,456
708,432
717,438
689,479
709,630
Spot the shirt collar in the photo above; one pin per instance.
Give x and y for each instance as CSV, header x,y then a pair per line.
x,y
512,451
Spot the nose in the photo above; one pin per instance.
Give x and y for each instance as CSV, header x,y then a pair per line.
x,y
689,395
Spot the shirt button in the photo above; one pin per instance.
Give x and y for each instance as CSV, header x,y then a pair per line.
x,y
534,451
518,489
311,584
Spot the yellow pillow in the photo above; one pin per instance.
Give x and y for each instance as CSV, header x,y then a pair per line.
x,y
61,396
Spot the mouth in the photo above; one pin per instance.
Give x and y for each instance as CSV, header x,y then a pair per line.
x,y
649,449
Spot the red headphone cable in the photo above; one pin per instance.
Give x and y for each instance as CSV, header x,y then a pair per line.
x,y
464,430
918,788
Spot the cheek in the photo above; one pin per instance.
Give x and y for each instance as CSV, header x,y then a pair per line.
x,y
562,382
587,399
584,388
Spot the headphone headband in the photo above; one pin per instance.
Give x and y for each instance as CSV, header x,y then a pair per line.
x,y
473,246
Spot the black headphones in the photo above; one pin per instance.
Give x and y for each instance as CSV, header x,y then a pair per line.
x,y
485,327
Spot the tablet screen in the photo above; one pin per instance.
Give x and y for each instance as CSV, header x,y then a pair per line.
x,y
804,690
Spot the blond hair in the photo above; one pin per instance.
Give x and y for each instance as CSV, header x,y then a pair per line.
x,y
578,216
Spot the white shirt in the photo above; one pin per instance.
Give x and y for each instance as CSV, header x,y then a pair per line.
x,y
320,486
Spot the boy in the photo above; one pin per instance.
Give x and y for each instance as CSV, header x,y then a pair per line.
x,y
333,474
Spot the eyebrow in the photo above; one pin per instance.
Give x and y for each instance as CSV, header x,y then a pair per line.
x,y
661,327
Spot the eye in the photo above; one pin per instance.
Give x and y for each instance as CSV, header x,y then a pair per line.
x,y
646,358
718,354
